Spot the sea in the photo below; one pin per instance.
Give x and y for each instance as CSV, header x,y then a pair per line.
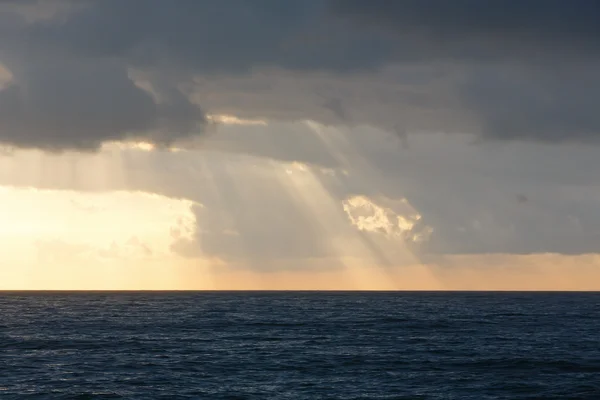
x,y
299,345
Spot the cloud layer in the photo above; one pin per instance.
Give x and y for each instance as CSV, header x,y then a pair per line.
x,y
529,30
90,71
287,202
359,143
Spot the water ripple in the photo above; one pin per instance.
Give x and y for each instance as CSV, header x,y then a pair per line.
x,y
299,346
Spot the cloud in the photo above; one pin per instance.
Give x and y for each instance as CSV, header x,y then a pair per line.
x,y
553,104
521,198
60,224
38,10
6,77
370,217
311,107
531,30
55,105
504,70
467,193
336,35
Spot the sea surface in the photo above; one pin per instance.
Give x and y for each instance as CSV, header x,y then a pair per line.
x,y
295,345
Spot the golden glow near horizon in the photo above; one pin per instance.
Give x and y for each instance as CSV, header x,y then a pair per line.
x,y
54,236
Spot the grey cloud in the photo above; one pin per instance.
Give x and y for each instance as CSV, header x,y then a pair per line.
x,y
336,106
224,36
483,30
60,105
529,66
235,35
521,198
555,104
280,141
36,10
466,192
267,227
418,97
503,69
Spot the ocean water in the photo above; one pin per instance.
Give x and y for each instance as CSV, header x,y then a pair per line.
x,y
299,345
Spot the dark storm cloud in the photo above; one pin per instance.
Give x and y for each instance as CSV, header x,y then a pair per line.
x,y
79,105
62,106
339,35
530,67
556,104
471,29
208,36
526,69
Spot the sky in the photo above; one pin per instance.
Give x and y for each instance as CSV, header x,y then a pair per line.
x,y
316,144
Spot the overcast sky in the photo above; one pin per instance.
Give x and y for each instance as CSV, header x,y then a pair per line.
x,y
418,144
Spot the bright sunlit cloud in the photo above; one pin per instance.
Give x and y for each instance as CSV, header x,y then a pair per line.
x,y
128,145
233,120
371,217
111,223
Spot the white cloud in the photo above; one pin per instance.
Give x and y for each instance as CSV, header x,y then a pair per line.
x,y
401,223
108,225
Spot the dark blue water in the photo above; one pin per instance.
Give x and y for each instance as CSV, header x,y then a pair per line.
x,y
300,346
